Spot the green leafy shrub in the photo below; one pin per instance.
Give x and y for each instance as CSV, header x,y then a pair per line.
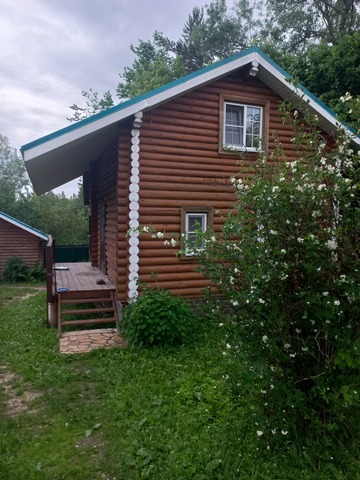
x,y
38,272
158,318
15,270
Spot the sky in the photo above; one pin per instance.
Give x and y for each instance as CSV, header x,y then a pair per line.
x,y
51,50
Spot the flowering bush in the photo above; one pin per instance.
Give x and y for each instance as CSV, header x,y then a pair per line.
x,y
288,259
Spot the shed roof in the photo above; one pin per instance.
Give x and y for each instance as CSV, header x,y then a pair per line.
x,y
23,226
67,153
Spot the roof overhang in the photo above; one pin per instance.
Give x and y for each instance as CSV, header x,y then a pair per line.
x,y
66,154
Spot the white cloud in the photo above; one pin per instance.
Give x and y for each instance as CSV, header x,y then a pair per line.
x,y
56,48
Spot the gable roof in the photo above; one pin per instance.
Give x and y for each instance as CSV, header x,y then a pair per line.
x,y
67,153
23,226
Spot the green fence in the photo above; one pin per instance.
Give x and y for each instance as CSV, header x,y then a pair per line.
x,y
71,253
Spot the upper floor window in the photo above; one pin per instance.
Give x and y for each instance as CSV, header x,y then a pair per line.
x,y
242,127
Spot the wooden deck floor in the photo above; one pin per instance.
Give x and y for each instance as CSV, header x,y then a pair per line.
x,y
80,277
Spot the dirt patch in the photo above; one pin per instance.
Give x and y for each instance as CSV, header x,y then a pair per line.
x,y
15,404
25,296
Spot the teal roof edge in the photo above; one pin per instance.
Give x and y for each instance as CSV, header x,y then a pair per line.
x,y
138,99
170,85
22,224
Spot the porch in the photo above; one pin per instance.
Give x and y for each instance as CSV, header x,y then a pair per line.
x,y
78,294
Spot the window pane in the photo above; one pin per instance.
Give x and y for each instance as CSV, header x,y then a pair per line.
x,y
234,115
195,222
253,126
233,136
191,238
234,125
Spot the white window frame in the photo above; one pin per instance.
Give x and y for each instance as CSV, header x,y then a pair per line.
x,y
188,215
239,147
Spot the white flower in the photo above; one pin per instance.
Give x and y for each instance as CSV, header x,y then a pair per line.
x,y
235,303
228,345
213,238
336,302
300,240
287,346
166,243
325,294
284,432
264,338
331,244
283,250
297,330
259,433
173,242
273,232
160,235
261,300
146,229
221,324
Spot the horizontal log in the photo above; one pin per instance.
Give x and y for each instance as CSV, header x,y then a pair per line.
x,y
197,197
225,164
200,283
172,277
198,113
212,185
194,102
167,268
182,143
155,203
154,129
175,121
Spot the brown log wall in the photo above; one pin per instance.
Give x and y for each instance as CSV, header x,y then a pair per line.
x,y
103,190
16,242
180,165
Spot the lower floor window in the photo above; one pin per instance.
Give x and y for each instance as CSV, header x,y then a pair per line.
x,y
195,220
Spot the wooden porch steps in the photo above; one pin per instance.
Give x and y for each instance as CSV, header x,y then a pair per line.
x,y
86,303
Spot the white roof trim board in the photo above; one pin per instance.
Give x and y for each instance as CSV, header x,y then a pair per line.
x,y
23,226
66,154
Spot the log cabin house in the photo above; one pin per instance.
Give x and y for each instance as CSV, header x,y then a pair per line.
x,y
20,240
162,159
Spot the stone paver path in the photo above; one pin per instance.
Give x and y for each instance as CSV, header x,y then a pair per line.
x,y
86,340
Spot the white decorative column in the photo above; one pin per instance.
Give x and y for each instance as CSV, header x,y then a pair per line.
x,y
133,268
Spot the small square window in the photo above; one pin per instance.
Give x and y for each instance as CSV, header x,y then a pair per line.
x,y
242,127
194,220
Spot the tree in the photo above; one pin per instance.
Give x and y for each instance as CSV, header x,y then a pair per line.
x,y
93,105
13,177
65,219
299,35
154,66
293,25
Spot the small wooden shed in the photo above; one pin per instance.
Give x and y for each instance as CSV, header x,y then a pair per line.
x,y
20,240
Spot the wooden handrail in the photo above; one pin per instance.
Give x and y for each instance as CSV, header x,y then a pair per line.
x,y
50,278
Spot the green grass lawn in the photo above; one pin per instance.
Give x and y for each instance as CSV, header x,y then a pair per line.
x,y
126,413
